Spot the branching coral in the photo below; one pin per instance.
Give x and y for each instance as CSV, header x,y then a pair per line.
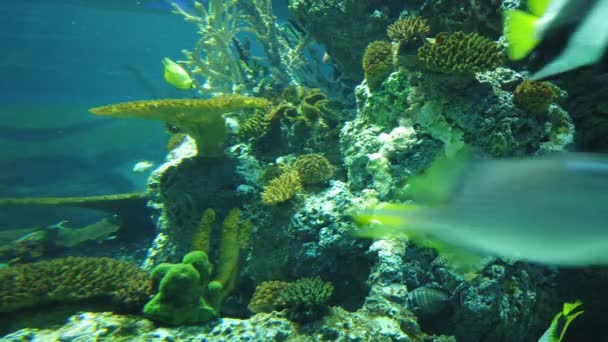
x,y
408,30
306,299
282,188
203,120
377,63
460,53
534,97
74,279
314,168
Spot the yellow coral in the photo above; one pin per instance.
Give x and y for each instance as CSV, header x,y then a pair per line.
x,y
377,62
202,233
282,188
408,30
201,119
232,240
314,168
265,296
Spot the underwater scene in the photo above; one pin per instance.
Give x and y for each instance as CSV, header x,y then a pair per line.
x,y
304,170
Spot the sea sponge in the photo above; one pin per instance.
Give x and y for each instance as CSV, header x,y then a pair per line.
x,y
534,96
305,299
265,296
377,63
203,120
410,30
74,279
313,168
460,53
282,188
183,296
202,233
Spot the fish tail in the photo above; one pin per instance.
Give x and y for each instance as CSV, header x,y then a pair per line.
x,y
561,321
382,220
519,32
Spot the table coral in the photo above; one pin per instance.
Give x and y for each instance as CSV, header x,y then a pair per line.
x,y
203,120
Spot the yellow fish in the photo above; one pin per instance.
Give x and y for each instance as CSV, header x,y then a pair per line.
x,y
176,76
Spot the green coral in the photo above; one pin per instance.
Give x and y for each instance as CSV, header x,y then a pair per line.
x,y
534,96
202,233
306,299
74,279
377,63
460,53
409,30
314,168
282,188
183,292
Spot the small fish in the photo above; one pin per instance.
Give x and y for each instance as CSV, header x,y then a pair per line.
x,y
566,34
548,210
142,166
427,300
326,58
177,76
561,321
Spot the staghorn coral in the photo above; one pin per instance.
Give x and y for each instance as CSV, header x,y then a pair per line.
x,y
203,120
313,168
377,62
305,299
265,296
408,30
74,279
460,53
282,188
202,233
534,96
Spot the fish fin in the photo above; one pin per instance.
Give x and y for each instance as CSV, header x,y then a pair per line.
x,y
519,32
561,321
440,180
382,220
461,260
538,7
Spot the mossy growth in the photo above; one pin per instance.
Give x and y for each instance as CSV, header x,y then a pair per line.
x,y
75,279
282,188
377,63
460,53
203,120
409,31
534,96
313,169
305,299
183,292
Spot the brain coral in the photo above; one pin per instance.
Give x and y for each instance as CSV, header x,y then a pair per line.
x,y
314,168
460,53
533,96
74,279
377,63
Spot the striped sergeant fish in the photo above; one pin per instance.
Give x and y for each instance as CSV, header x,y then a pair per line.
x,y
427,300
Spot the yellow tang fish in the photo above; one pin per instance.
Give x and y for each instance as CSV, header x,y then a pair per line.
x,y
176,76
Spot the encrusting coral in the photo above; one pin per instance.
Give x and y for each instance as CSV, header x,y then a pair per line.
x,y
460,53
313,168
377,62
408,30
74,279
534,96
203,120
282,188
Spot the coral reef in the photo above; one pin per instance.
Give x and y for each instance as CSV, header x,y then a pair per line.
x,y
74,279
282,188
534,96
265,297
460,53
203,120
377,63
410,30
305,299
313,169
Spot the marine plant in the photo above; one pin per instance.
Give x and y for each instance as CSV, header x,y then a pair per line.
x,y
203,120
313,169
74,279
534,96
377,63
185,292
305,299
460,53
282,188
410,30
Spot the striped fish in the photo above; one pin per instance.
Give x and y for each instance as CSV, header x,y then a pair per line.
x,y
427,300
